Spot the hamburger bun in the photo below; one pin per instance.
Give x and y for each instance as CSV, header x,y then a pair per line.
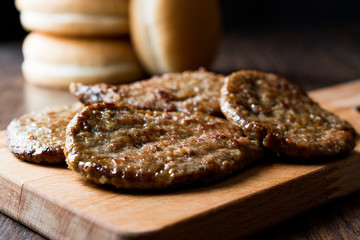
x,y
56,61
175,35
75,17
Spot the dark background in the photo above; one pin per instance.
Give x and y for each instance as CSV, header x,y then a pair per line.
x,y
313,43
257,14
10,27
242,15
247,15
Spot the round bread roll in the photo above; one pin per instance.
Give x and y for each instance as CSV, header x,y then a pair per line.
x,y
174,35
75,17
56,61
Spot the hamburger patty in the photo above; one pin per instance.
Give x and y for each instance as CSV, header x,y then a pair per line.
x,y
282,117
40,136
143,149
189,91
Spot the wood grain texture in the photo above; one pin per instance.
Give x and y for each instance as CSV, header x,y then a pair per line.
x,y
12,230
313,57
57,203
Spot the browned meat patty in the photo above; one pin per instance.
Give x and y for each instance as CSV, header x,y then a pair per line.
x,y
143,149
40,136
188,91
279,114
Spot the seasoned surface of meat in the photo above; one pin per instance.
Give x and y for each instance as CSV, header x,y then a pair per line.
x,y
40,136
143,149
189,91
279,114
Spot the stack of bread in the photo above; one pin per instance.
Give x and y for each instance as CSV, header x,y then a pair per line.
x,y
87,41
83,41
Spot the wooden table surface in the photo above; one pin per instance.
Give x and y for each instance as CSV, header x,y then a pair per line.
x,y
312,57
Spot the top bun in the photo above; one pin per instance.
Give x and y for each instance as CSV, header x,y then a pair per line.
x,y
75,17
174,35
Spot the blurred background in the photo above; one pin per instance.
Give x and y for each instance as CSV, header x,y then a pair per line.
x,y
314,43
258,15
242,15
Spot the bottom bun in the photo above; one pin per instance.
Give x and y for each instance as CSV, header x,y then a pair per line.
x,y
57,61
60,75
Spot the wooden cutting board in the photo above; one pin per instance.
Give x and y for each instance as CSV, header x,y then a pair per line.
x,y
57,203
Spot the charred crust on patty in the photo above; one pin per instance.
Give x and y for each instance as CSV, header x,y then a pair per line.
x,y
189,91
280,115
39,136
144,149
